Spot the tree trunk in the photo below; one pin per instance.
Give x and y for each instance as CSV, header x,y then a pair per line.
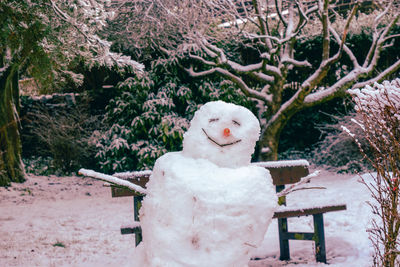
x,y
11,167
270,141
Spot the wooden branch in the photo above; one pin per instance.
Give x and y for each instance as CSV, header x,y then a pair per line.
x,y
335,90
380,16
112,180
242,85
345,48
262,24
295,187
380,77
320,73
347,26
296,63
391,36
379,38
326,60
303,19
265,36
325,30
241,69
290,23
204,61
263,77
281,18
209,52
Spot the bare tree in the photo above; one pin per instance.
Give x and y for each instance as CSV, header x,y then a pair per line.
x,y
276,29
202,28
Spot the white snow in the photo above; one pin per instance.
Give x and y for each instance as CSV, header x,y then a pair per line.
x,y
283,163
126,175
346,238
113,180
203,204
205,137
81,214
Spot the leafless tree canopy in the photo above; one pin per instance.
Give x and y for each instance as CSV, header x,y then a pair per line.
x,y
196,28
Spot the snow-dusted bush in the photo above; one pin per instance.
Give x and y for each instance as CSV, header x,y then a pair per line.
x,y
62,136
151,114
379,110
338,151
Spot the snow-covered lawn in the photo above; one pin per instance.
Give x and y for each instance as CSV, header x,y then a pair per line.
x,y
71,221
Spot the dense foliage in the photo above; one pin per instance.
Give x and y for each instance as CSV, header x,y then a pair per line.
x,y
152,112
42,39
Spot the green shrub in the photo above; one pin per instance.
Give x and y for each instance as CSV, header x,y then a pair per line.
x,y
151,114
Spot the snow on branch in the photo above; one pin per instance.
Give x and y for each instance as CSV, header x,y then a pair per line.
x,y
112,180
296,63
242,85
380,77
295,187
202,60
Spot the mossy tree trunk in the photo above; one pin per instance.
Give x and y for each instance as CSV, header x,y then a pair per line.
x,y
11,167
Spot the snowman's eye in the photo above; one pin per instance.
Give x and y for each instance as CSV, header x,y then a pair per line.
x,y
213,120
236,122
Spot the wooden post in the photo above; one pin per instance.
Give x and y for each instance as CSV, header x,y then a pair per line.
x,y
283,241
137,203
319,238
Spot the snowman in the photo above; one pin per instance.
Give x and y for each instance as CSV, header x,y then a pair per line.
x,y
207,205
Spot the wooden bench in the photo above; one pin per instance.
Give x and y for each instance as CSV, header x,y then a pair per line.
x,y
283,173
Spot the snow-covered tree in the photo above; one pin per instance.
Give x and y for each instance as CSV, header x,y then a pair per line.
x,y
41,38
282,81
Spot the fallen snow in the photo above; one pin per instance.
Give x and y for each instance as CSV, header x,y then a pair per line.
x,y
80,213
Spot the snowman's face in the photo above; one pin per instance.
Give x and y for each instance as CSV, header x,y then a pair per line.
x,y
222,133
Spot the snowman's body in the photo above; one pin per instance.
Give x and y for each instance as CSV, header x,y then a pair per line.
x,y
206,205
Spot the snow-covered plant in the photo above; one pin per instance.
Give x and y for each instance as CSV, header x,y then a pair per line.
x,y
338,151
379,107
63,135
151,114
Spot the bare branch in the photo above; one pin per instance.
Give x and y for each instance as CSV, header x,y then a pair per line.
x,y
261,23
242,85
381,16
346,49
325,29
303,20
242,69
112,180
296,63
295,187
278,10
264,77
380,77
204,61
379,39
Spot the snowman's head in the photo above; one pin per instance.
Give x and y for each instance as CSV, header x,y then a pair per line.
x,y
222,133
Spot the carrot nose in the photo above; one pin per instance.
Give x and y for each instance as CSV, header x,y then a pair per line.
x,y
227,132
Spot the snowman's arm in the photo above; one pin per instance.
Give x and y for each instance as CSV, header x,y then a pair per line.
x,y
112,180
295,187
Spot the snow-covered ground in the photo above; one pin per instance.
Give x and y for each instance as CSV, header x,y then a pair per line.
x,y
71,221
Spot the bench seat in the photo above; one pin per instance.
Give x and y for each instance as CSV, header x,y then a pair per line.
x,y
287,213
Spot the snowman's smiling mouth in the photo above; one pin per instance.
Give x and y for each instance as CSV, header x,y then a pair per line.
x,y
218,144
